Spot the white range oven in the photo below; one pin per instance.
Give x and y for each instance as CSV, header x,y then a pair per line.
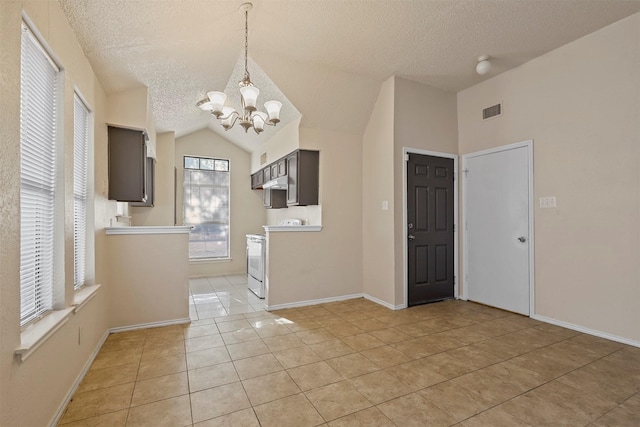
x,y
256,263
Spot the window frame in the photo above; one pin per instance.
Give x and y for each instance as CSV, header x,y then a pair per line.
x,y
214,169
81,145
41,274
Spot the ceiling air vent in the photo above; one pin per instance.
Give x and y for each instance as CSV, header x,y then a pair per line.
x,y
493,111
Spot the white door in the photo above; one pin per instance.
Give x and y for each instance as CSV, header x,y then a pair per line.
x,y
499,227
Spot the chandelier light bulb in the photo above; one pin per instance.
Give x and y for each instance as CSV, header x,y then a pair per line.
x,y
250,97
273,108
484,65
217,100
259,120
227,118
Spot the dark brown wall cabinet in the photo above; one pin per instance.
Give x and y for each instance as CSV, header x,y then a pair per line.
x,y
303,169
257,179
127,165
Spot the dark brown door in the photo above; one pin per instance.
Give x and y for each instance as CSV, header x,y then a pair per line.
x,y
430,223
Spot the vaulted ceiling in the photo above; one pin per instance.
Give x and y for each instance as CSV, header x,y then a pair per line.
x,y
327,57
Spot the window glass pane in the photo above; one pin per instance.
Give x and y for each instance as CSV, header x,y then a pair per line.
x,y
222,165
191,163
209,241
80,145
206,164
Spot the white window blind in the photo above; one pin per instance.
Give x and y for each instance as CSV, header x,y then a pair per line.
x,y
206,206
38,77
80,144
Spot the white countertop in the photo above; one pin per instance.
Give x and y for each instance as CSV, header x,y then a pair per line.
x,y
297,228
170,229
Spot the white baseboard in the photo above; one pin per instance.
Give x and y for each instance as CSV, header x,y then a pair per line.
x,y
78,380
586,330
311,302
150,325
384,303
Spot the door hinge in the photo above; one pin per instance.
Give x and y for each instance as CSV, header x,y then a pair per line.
x,y
454,279
406,157
454,228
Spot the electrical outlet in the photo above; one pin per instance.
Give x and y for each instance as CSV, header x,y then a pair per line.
x,y
385,205
548,202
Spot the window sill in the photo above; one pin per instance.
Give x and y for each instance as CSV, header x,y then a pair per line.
x,y
83,296
209,260
35,335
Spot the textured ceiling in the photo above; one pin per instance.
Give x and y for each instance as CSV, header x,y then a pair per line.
x,y
327,57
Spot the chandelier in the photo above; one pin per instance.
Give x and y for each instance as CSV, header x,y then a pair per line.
x,y
249,116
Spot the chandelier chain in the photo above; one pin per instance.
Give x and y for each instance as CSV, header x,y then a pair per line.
x,y
246,47
249,116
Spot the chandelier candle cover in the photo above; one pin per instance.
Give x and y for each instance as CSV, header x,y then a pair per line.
x,y
249,117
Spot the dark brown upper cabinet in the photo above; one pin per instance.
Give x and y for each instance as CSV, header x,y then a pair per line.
x,y
257,179
127,164
303,171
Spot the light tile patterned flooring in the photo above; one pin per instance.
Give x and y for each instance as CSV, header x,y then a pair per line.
x,y
221,296
355,363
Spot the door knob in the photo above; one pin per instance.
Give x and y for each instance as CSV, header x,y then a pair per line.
x,y
522,239
411,237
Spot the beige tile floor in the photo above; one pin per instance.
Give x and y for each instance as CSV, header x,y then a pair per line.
x,y
355,363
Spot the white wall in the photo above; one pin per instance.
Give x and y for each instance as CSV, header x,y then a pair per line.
x,y
581,106
325,264
146,265
247,213
378,263
50,373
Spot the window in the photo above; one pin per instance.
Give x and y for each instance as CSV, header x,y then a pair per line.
x,y
38,116
206,206
80,146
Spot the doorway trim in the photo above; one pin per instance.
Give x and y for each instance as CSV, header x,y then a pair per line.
x,y
465,278
405,253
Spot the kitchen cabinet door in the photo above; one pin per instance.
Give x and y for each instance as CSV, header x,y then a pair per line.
x,y
127,164
303,169
274,199
282,167
257,179
267,174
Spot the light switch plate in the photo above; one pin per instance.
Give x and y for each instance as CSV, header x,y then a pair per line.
x,y
548,202
385,205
